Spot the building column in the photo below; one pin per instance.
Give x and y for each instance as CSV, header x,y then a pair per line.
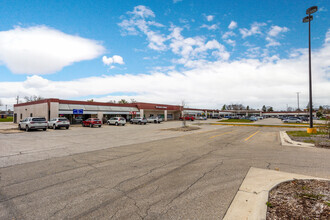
x,y
205,114
141,113
213,114
165,115
100,115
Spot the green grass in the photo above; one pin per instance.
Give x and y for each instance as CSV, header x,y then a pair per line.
x,y
303,133
8,119
237,120
309,141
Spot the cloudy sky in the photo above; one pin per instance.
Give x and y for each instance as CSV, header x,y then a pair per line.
x,y
208,53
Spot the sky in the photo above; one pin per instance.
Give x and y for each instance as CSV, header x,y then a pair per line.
x,y
205,53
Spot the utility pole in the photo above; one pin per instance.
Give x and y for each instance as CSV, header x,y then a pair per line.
x,y
298,100
17,99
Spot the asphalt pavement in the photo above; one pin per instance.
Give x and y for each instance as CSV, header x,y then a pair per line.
x,y
189,176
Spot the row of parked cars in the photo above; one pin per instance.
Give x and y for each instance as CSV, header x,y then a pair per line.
x,y
34,123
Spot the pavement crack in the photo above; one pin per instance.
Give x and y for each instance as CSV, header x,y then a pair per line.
x,y
192,184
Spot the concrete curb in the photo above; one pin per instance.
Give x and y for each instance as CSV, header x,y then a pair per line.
x,y
286,141
250,200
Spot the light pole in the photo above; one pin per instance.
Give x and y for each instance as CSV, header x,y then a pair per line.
x,y
308,19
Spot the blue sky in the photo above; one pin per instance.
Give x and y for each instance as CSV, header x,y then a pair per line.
x,y
208,53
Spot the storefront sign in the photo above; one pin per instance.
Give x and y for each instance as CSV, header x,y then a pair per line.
x,y
78,111
163,107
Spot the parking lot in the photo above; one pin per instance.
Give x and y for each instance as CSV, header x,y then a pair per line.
x,y
30,146
140,171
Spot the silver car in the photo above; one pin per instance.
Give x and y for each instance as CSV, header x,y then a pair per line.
x,y
33,123
154,120
292,120
59,123
117,121
139,121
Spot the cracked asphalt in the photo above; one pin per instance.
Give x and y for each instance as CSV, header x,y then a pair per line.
x,y
191,176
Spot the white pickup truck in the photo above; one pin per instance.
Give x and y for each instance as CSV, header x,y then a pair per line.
x,y
154,120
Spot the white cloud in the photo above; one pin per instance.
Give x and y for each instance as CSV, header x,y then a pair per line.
x,y
228,34
272,42
232,25
111,60
255,29
276,30
231,42
42,50
138,23
256,83
209,17
195,48
176,1
274,33
210,27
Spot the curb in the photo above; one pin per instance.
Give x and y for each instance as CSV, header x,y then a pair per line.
x,y
250,200
286,141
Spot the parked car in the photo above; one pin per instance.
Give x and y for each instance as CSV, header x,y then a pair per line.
x,y
304,118
260,117
91,122
59,123
252,118
33,123
201,118
154,120
117,121
292,120
188,118
138,120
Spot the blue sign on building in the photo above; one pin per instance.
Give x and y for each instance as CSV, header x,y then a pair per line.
x,y
78,111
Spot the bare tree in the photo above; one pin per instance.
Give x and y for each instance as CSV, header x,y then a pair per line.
x,y
183,104
33,98
133,101
123,101
112,101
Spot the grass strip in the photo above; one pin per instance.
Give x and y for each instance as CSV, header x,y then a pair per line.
x,y
303,133
255,125
8,119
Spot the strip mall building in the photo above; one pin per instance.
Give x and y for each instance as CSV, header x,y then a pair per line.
x,y
76,111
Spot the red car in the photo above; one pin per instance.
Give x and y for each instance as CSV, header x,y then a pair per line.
x,y
188,118
91,122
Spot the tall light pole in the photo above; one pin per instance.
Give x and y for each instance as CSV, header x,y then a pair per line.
x,y
308,19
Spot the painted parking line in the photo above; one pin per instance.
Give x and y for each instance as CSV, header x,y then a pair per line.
x,y
246,139
221,134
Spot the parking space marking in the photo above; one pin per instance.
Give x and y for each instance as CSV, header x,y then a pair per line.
x,y
246,139
221,134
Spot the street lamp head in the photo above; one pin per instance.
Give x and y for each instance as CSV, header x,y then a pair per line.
x,y
308,18
311,10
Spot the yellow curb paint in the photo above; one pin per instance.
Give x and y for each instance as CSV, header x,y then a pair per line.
x,y
221,134
251,136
